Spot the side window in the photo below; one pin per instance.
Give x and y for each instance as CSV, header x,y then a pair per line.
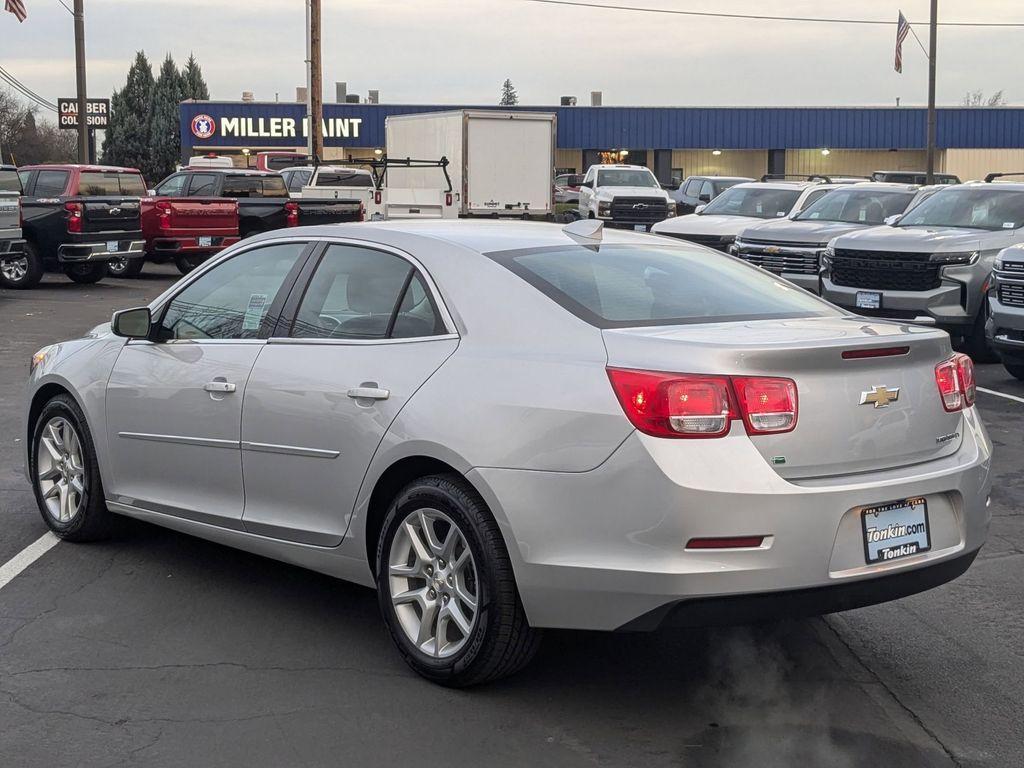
x,y
50,183
202,185
360,293
692,188
813,197
172,186
233,299
707,191
25,176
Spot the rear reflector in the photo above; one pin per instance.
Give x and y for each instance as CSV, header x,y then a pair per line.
x,y
729,542
858,354
700,405
955,379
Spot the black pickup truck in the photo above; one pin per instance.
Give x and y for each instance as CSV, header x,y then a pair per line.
x,y
263,199
75,220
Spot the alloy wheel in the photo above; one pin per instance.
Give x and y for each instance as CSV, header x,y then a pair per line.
x,y
117,267
433,583
14,269
60,469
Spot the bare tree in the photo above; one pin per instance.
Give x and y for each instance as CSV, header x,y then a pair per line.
x,y
977,99
25,139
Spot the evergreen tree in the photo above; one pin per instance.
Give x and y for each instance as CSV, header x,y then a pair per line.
x,y
164,135
193,84
132,131
111,149
509,97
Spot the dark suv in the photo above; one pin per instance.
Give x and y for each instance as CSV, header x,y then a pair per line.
x,y
701,190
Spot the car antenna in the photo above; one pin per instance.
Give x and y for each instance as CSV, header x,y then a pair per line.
x,y
585,231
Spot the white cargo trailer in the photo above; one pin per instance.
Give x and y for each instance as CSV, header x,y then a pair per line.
x,y
501,163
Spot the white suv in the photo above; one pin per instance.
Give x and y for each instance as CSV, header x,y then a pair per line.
x,y
624,196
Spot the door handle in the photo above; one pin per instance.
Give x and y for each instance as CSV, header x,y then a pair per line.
x,y
368,393
219,386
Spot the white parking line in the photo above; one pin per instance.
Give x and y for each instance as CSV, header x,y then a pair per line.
x,y
26,557
1001,394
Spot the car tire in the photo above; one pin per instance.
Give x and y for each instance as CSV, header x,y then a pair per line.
x,y
975,343
186,264
125,267
415,582
65,475
24,271
86,273
1015,369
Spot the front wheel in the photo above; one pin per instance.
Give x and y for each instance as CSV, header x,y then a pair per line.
x,y
21,270
446,588
65,475
1015,369
975,343
125,267
87,272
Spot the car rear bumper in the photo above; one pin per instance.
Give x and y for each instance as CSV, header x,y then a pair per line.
x,y
942,306
97,247
191,246
601,549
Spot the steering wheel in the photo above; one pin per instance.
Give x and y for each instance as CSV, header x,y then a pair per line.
x,y
336,321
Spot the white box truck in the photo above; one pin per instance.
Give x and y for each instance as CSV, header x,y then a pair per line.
x,y
501,163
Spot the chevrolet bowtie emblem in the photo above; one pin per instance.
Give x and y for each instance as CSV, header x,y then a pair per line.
x,y
880,397
772,249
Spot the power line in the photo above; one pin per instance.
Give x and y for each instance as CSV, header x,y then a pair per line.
x,y
762,17
25,91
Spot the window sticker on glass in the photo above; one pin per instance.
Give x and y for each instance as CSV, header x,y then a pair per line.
x,y
1008,225
254,311
780,213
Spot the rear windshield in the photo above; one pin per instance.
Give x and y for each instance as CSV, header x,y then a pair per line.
x,y
969,208
254,186
110,183
9,181
344,179
756,202
621,286
857,206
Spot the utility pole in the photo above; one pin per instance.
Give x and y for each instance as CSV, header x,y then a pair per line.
x,y
316,80
83,127
932,44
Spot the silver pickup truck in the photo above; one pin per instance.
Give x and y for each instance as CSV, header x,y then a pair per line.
x,y
932,266
11,242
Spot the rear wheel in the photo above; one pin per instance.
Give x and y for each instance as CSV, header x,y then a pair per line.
x,y
87,272
65,475
21,270
446,588
125,267
1015,369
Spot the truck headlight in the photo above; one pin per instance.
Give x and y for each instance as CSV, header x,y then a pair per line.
x,y
670,208
727,239
998,264
825,257
959,257
38,358
604,208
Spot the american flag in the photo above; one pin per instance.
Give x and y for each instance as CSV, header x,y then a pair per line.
x,y
17,7
902,30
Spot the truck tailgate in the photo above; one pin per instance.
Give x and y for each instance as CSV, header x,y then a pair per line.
x,y
329,211
189,216
109,214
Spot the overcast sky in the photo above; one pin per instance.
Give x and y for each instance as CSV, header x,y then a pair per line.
x,y
460,51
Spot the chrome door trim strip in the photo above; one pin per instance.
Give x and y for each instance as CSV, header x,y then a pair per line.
x,y
209,442
230,524
294,535
290,450
292,340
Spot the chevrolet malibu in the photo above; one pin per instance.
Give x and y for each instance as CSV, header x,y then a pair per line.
x,y
503,427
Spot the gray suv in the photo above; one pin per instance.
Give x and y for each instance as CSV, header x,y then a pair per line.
x,y
933,264
1005,327
11,243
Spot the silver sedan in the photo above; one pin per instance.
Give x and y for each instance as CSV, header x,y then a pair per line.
x,y
503,427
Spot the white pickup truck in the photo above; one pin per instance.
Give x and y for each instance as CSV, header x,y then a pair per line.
x,y
626,196
327,181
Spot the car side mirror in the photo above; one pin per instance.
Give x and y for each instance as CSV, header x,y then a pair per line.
x,y
891,220
699,209
705,198
132,323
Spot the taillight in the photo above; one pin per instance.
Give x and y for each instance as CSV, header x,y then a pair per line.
x,y
955,379
362,212
74,214
163,214
768,405
697,405
376,197
448,199
291,214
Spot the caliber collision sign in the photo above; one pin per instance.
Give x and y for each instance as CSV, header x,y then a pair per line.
x,y
97,113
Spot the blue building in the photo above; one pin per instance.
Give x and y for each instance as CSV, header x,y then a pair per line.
x,y
672,141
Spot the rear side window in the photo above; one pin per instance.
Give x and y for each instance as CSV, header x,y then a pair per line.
x,y
254,186
9,181
343,180
50,183
622,286
110,184
202,184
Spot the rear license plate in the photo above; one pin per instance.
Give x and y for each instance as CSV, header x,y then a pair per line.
x,y
205,242
869,300
895,530
639,227
113,246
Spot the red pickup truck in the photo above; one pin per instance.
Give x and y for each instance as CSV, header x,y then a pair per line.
x,y
187,230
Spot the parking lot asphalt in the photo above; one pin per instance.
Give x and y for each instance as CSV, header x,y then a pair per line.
x,y
156,649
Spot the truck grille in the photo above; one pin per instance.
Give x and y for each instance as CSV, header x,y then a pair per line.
x,y
641,209
886,270
1017,267
783,262
709,241
1011,294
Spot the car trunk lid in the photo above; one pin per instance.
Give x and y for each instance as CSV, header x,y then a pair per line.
x,y
842,427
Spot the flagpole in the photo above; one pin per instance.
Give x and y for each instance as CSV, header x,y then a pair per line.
x,y
83,128
932,44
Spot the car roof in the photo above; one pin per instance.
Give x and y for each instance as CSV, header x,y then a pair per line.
x,y
1015,186
719,178
7,167
76,166
603,166
781,184
232,171
485,236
